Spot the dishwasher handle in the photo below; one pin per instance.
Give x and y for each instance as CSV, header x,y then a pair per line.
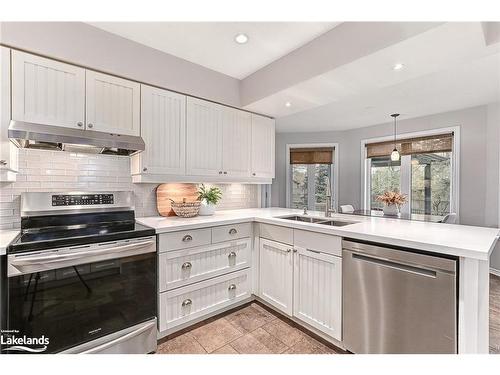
x,y
395,265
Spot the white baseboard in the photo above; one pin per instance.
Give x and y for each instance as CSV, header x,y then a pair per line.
x,y
495,271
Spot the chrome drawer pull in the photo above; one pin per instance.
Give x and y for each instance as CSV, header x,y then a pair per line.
x,y
186,302
187,238
187,266
231,287
233,231
288,250
232,254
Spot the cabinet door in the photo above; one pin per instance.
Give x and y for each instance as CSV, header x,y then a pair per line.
x,y
317,289
113,104
204,138
236,141
8,152
47,92
163,128
275,274
262,147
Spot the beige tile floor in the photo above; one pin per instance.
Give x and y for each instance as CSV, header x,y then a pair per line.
x,y
254,329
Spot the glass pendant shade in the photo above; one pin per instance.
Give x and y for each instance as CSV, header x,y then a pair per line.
x,y
395,155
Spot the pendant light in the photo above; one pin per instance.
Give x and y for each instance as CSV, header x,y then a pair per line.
x,y
395,153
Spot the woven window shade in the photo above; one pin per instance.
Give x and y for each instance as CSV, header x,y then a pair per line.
x,y
323,155
412,146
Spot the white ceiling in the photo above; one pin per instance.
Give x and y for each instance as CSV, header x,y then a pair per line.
x,y
446,68
212,45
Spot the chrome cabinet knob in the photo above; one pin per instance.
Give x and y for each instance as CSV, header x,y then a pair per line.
x,y
220,172
288,250
90,126
233,231
187,238
225,172
144,169
294,250
187,302
80,124
3,162
187,266
232,254
253,174
231,287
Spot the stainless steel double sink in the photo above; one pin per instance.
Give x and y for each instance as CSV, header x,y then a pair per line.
x,y
317,220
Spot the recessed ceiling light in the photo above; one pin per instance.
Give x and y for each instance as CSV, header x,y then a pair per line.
x,y
241,38
288,104
398,66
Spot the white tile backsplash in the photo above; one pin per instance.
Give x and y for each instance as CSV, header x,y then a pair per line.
x,y
43,170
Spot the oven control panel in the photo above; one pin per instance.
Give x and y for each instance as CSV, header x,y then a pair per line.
x,y
81,200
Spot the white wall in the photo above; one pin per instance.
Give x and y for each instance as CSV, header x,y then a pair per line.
x,y
43,170
83,44
479,160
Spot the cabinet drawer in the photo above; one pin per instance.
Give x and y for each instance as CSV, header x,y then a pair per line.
x,y
276,233
182,267
324,243
193,301
231,232
184,239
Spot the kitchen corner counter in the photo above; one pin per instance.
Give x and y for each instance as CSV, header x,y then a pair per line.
x,y
6,237
458,240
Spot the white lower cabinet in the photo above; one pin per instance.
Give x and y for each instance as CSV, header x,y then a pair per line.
x,y
194,301
317,290
276,274
303,282
182,267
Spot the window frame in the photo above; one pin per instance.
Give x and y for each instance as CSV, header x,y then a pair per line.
x,y
406,168
335,167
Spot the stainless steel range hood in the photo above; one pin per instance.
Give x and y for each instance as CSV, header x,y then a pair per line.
x,y
31,135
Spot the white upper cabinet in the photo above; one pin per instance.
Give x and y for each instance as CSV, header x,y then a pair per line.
x,y
8,152
113,104
163,129
204,138
263,129
47,92
236,143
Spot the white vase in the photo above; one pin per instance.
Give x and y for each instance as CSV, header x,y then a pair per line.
x,y
391,210
206,209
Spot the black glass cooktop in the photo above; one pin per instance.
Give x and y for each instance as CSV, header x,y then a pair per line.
x,y
41,233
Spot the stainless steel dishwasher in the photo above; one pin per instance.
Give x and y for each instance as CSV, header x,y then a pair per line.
x,y
398,301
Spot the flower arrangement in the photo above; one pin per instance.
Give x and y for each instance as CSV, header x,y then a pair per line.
x,y
390,198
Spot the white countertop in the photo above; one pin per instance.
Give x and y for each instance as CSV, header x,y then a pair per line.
x,y
459,240
6,237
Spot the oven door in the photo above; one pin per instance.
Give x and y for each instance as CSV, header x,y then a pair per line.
x,y
73,295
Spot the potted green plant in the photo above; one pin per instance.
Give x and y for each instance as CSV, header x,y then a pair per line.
x,y
209,198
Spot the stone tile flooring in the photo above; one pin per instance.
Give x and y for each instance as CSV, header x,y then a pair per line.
x,y
251,329
255,329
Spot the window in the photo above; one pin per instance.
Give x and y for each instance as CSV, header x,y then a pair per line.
x,y
311,173
385,175
424,173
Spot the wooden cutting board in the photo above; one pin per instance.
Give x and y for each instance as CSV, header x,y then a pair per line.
x,y
177,192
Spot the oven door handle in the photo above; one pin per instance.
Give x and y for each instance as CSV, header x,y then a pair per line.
x,y
33,260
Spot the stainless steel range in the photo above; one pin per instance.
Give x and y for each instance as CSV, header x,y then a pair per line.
x,y
81,275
